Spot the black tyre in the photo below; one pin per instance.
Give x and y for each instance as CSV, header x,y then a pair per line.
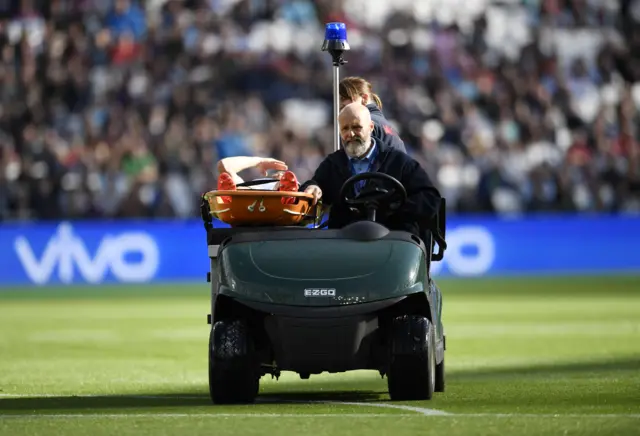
x,y
412,363
233,372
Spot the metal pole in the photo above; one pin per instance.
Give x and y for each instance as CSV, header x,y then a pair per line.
x,y
336,107
335,43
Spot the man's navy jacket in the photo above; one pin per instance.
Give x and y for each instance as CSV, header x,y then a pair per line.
x,y
423,198
383,130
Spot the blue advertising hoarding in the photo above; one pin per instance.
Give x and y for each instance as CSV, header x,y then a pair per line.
x,y
140,251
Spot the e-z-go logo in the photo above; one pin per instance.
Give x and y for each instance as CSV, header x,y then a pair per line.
x,y
67,251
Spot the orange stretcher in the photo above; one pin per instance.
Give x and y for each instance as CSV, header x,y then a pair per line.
x,y
253,207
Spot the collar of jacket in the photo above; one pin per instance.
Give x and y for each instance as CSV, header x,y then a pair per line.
x,y
373,108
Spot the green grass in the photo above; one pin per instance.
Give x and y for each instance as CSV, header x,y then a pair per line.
x,y
525,356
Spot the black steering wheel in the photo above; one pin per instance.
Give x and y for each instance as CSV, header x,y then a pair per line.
x,y
373,198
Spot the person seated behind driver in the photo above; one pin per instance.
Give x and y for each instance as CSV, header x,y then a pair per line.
x,y
362,153
229,168
357,90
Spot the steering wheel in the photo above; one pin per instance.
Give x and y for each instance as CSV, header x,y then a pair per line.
x,y
373,198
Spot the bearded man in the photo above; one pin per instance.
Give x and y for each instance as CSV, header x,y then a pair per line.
x,y
361,152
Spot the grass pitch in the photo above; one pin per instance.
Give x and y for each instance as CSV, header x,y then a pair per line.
x,y
524,357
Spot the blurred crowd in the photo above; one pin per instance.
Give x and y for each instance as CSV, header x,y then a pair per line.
x,y
121,108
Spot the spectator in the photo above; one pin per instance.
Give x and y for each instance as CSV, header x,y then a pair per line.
x,y
121,108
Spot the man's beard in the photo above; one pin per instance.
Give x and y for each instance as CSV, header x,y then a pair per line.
x,y
356,147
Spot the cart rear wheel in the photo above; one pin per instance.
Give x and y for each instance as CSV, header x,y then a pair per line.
x,y
412,368
233,373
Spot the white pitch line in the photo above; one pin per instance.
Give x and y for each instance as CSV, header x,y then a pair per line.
x,y
164,397
205,415
421,410
548,415
309,415
417,410
435,412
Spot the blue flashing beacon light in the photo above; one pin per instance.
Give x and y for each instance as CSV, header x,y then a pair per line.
x,y
335,42
335,32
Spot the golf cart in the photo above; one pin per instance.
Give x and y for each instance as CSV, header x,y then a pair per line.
x,y
300,298
289,295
